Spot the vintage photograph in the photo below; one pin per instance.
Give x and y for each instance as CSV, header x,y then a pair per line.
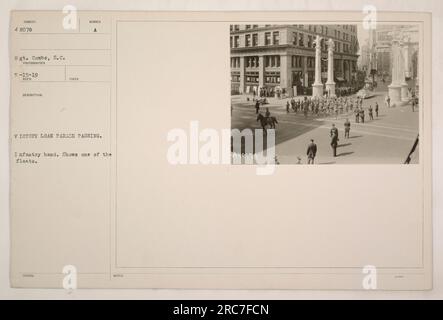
x,y
333,94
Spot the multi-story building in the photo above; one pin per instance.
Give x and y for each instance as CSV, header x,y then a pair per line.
x,y
267,57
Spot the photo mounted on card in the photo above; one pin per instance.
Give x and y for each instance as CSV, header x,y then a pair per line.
x,y
227,150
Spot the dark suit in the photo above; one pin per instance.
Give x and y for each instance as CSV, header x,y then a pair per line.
x,y
312,151
347,129
334,140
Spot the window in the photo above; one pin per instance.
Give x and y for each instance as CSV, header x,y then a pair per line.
x,y
252,62
272,77
248,26
267,38
247,40
230,41
236,27
310,43
294,38
301,40
276,38
311,62
255,26
272,61
236,41
255,39
235,62
296,61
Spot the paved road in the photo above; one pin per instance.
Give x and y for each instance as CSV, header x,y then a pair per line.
x,y
386,139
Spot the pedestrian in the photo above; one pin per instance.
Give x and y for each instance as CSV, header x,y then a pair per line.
x,y
362,115
388,101
413,104
293,104
312,151
347,128
334,139
357,115
371,115
267,113
376,109
257,106
287,106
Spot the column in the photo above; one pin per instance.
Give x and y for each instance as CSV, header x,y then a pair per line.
x,y
348,62
406,57
285,74
330,84
342,68
317,87
404,85
304,70
394,89
242,76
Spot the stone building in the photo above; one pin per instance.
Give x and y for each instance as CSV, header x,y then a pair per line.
x,y
383,46
282,57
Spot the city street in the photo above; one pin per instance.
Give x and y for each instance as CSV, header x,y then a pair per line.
x,y
384,140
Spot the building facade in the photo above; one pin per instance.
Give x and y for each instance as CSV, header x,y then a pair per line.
x,y
282,57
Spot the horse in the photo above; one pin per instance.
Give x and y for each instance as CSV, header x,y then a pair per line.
x,y
264,121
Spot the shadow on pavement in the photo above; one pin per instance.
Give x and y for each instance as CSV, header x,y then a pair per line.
x,y
344,145
345,154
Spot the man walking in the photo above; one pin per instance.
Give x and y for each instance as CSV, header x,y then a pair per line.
x,y
362,115
388,101
334,139
287,106
257,107
357,115
347,128
376,109
312,151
